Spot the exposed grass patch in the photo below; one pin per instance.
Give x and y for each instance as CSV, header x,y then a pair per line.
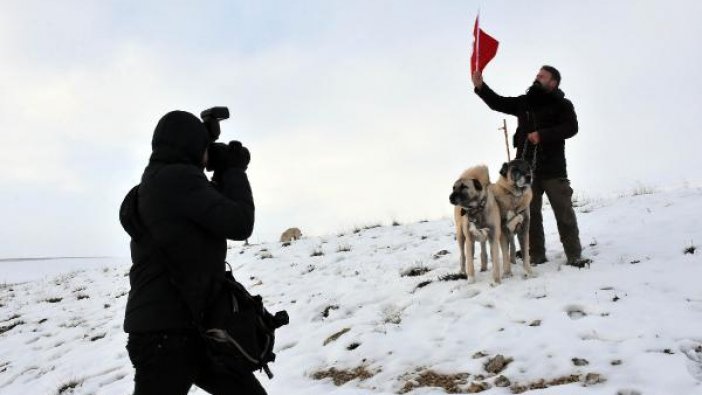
x,y
423,284
343,376
69,386
690,250
82,296
265,254
13,317
13,325
343,248
441,253
497,364
392,315
642,189
317,252
452,383
98,337
53,300
588,379
325,313
415,271
453,277
336,336
353,346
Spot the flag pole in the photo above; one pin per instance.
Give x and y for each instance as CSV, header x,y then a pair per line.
x,y
477,40
504,128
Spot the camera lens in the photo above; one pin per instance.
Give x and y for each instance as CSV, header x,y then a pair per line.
x,y
281,318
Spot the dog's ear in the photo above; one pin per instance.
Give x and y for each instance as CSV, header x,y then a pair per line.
x,y
503,170
478,186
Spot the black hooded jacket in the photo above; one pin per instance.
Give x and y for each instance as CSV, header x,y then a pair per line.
x,y
551,114
179,223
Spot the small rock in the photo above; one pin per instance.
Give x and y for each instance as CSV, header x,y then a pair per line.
x,y
441,253
593,378
616,362
474,387
502,381
535,323
580,362
497,364
479,355
328,309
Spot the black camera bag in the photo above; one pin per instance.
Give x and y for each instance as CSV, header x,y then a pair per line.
x,y
238,330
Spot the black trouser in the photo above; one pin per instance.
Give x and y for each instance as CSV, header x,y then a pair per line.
x,y
170,363
560,195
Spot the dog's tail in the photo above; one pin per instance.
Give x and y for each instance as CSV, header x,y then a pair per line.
x,y
479,173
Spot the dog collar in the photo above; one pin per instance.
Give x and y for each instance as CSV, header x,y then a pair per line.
x,y
475,212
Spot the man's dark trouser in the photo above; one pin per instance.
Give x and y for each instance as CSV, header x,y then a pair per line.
x,y
559,194
171,363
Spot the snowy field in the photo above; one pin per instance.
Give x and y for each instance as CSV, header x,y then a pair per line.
x,y
372,312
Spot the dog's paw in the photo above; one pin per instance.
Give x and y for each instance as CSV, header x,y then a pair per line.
x,y
530,274
507,275
471,279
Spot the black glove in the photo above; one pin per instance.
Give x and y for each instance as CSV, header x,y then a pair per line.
x,y
221,156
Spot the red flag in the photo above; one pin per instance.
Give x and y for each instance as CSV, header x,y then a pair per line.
x,y
484,48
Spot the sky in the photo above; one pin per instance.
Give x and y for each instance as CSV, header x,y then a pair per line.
x,y
355,113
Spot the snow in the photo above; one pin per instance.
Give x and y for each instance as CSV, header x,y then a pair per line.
x,y
634,316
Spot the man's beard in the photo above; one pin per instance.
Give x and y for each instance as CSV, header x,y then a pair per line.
x,y
536,89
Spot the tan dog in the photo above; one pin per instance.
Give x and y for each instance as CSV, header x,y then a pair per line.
x,y
290,235
513,195
477,218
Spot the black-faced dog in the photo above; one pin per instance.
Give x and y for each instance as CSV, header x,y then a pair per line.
x,y
513,195
477,218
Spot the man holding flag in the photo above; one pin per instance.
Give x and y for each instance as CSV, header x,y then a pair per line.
x,y
545,120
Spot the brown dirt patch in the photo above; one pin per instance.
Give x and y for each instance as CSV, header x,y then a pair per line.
x,y
343,376
452,383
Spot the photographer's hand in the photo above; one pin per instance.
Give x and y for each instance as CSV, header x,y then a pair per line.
x,y
232,155
238,156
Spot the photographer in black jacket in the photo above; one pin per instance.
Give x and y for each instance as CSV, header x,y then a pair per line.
x,y
545,120
178,267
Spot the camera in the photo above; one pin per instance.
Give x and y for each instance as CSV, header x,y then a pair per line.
x,y
211,118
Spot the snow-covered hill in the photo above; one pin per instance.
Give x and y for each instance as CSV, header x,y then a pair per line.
x,y
375,311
